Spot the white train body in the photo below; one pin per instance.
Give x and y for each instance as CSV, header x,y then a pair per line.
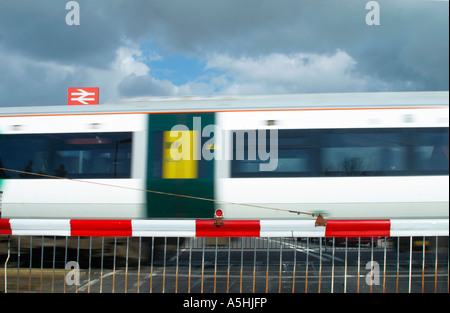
x,y
113,158
336,197
83,198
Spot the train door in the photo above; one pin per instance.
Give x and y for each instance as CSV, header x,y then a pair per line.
x,y
176,166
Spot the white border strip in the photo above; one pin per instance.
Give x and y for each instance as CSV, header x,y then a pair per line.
x,y
163,228
40,227
423,227
291,228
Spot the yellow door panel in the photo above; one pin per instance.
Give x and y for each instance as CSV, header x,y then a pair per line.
x,y
180,159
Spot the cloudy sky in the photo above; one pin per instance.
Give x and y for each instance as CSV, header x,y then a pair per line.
x,y
135,48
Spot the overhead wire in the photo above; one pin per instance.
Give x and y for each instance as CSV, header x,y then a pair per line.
x,y
160,192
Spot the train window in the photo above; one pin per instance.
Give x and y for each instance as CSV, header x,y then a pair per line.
x,y
295,154
23,153
371,152
431,153
348,152
83,155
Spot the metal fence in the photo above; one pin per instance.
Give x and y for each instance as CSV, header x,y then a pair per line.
x,y
135,264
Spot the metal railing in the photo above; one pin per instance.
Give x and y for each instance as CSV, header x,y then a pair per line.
x,y
136,264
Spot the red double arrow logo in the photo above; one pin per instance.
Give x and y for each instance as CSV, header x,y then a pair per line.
x,y
83,96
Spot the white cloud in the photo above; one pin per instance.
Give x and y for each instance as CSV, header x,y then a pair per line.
x,y
129,60
289,73
129,75
47,82
273,73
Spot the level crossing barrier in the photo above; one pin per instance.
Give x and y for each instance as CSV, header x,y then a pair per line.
x,y
226,256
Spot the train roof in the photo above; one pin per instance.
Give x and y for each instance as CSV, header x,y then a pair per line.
x,y
246,102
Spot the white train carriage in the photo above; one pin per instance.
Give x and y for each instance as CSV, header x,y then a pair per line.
x,y
95,153
347,162
357,155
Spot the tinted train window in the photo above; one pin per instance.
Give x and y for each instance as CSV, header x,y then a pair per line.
x,y
349,152
295,154
363,152
431,151
93,155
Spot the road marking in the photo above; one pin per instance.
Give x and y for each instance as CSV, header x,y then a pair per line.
x,y
93,282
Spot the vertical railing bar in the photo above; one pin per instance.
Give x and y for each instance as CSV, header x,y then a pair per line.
x,y
332,267
242,264
139,265
436,264
215,266
423,264
65,262
151,264
385,265
254,263
114,266
359,264
164,266
18,263
320,265
191,242
371,264
345,267
89,269
228,269
267,265
101,264
307,264
78,259
54,261
398,264
42,264
6,264
126,264
281,265
203,264
176,267
295,264
410,262
31,261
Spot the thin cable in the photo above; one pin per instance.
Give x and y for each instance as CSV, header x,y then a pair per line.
x,y
160,192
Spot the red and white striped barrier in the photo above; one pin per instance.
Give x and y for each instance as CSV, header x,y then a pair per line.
x,y
229,228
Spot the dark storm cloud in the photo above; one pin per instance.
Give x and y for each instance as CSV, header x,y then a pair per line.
x,y
240,27
38,51
410,48
37,29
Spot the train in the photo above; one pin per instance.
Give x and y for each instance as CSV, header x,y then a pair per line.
x,y
370,155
